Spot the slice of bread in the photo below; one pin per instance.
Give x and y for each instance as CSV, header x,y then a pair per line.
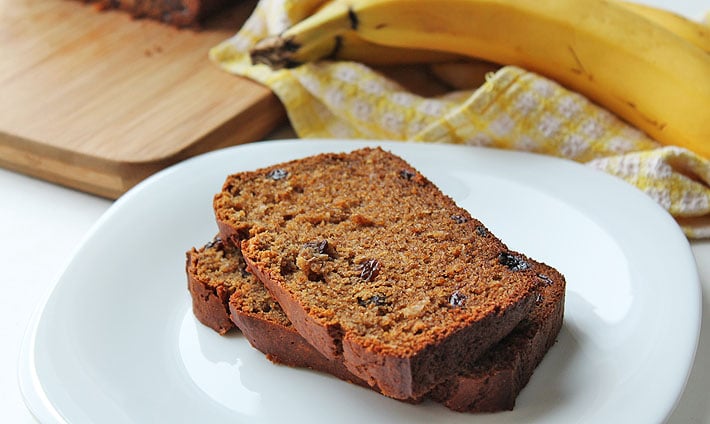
x,y
211,280
179,13
490,384
375,267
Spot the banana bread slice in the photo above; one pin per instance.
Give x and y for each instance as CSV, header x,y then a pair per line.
x,y
179,13
213,274
375,266
216,273
488,385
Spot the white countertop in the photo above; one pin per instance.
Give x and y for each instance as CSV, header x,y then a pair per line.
x,y
41,225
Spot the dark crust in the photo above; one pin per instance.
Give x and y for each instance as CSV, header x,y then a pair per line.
x,y
395,376
428,368
489,385
498,390
321,337
209,303
227,233
494,383
283,345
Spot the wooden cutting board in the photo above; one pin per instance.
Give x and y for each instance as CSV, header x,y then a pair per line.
x,y
98,101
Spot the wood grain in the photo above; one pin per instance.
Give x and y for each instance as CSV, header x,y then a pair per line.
x,y
98,101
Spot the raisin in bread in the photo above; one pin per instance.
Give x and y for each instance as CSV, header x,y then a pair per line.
x,y
375,266
490,384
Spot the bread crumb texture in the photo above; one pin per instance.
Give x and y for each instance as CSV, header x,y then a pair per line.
x,y
365,242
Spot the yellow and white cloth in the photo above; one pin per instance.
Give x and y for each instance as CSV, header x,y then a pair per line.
x,y
513,109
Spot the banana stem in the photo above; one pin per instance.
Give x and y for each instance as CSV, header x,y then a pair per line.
x,y
308,40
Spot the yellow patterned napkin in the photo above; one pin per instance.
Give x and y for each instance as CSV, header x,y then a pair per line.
x,y
513,109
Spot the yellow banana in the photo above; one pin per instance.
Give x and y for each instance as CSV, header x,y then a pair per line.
x,y
348,45
642,72
351,47
471,74
693,32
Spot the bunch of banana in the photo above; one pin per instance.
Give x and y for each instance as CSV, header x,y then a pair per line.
x,y
460,73
626,62
349,46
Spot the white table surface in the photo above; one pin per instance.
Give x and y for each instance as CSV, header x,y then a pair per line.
x,y
41,224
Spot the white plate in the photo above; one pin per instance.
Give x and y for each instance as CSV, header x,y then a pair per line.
x,y
115,341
